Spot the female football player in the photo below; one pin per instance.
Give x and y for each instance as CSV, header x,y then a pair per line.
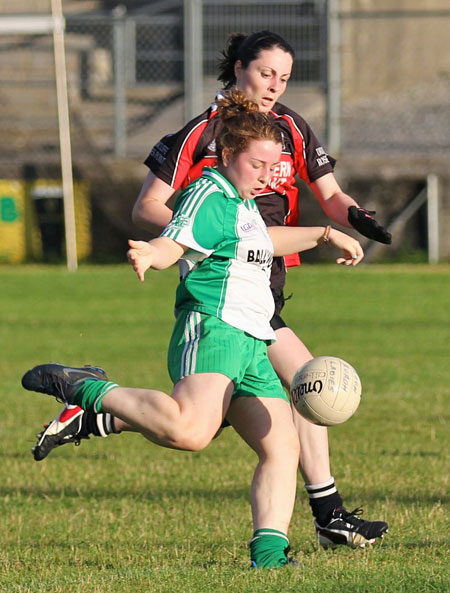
x,y
260,64
217,356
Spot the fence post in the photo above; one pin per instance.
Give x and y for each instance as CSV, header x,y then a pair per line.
x,y
334,81
130,52
120,116
64,134
433,218
193,58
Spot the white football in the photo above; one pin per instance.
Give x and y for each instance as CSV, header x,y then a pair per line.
x,y
326,390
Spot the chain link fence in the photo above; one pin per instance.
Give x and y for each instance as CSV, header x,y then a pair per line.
x,y
125,75
369,83
303,24
126,81
28,114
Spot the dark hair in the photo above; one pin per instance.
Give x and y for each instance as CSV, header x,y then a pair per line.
x,y
242,122
246,48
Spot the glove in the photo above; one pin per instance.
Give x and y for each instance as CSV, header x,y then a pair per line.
x,y
364,222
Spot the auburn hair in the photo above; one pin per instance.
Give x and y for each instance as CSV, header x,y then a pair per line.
x,y
241,122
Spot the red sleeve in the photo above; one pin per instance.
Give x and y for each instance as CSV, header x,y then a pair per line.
x,y
311,160
172,158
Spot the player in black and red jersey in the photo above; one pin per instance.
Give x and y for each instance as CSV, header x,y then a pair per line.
x,y
260,64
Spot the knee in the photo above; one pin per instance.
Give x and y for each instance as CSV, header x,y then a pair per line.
x,y
189,439
285,449
291,445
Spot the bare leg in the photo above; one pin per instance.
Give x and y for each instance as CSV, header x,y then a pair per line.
x,y
188,420
266,426
287,355
122,426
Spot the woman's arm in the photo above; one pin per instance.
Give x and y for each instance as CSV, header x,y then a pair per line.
x,y
288,240
335,203
343,209
150,209
159,254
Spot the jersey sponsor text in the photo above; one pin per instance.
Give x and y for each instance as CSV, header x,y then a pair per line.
x,y
263,257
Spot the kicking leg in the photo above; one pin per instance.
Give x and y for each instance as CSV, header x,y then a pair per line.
x,y
72,425
187,420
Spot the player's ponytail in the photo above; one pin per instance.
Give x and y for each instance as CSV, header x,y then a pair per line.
x,y
227,62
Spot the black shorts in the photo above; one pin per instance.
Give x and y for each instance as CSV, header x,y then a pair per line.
x,y
277,321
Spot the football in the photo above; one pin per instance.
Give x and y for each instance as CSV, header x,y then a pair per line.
x,y
326,390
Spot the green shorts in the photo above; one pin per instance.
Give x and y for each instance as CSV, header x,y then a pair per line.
x,y
203,343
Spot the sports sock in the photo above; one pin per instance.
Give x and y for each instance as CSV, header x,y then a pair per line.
x,y
99,425
323,499
269,548
89,394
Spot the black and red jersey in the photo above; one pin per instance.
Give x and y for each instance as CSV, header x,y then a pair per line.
x,y
179,158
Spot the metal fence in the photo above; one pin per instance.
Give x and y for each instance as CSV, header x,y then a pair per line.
x,y
366,81
372,83
127,75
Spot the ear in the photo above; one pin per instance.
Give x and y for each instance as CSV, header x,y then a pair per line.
x,y
226,157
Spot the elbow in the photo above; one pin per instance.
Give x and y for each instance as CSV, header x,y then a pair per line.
x,y
331,208
136,217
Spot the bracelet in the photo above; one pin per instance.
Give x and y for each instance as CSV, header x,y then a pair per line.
x,y
325,238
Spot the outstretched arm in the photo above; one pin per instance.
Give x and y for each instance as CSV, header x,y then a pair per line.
x,y
343,209
335,203
288,240
150,209
159,254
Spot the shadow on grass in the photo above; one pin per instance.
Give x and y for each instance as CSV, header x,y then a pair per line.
x,y
419,499
398,453
144,494
420,544
386,497
26,454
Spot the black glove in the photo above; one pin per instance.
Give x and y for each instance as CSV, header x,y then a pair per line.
x,y
364,222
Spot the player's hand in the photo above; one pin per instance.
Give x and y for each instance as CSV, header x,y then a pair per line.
x,y
364,222
352,252
140,256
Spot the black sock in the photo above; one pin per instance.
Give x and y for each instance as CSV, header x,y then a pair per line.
x,y
323,498
99,425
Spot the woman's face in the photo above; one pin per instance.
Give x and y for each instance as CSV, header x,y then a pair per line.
x,y
265,79
250,171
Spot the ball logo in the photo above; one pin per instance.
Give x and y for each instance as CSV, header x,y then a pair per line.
x,y
308,387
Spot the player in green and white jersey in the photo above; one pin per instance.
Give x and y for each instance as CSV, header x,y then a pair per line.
x,y
226,238
218,351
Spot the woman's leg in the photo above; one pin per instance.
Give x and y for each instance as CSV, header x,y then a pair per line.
x,y
334,525
287,355
266,426
188,420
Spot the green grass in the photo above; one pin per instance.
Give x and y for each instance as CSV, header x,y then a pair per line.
x,y
123,515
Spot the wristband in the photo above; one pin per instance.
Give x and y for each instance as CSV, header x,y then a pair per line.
x,y
325,238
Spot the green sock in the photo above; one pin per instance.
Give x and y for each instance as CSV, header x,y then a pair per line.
x,y
269,548
89,395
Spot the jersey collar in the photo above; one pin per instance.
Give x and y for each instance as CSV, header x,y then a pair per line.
x,y
213,175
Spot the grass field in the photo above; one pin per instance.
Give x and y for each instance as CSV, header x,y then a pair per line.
x,y
122,515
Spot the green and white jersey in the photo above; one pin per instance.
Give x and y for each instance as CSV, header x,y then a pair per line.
x,y
226,270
